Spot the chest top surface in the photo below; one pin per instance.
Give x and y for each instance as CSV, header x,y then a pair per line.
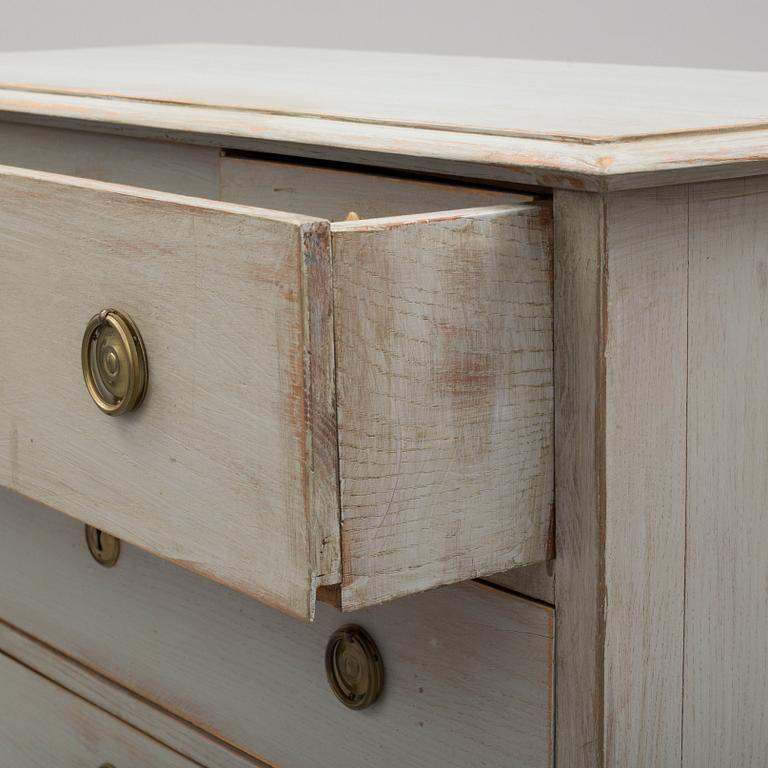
x,y
592,125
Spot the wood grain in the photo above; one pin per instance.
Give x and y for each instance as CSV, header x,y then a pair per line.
x,y
42,724
206,282
331,193
229,466
444,386
579,464
513,121
101,692
621,331
508,97
645,496
536,581
726,676
468,668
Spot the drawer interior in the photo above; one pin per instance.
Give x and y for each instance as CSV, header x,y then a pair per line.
x,y
338,192
325,189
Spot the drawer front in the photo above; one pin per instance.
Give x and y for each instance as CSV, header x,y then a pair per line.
x,y
468,669
429,344
43,725
221,468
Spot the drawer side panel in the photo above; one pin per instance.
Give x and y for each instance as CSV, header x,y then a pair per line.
x,y
445,397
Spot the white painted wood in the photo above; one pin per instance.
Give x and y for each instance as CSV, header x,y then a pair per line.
x,y
443,329
553,124
185,169
142,714
538,162
468,668
519,161
331,193
203,171
566,100
645,497
328,190
43,725
579,222
621,304
726,675
536,581
228,466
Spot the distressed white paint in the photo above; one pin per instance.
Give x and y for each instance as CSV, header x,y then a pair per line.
x,y
142,714
230,465
185,169
726,623
468,668
566,100
620,350
42,725
536,580
548,123
215,470
644,487
443,328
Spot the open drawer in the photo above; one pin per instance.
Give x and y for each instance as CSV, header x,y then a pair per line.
x,y
360,410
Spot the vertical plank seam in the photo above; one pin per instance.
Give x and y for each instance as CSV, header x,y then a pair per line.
x,y
306,405
553,728
219,175
337,401
600,421
685,472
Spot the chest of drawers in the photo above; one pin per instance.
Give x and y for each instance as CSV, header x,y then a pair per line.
x,y
301,336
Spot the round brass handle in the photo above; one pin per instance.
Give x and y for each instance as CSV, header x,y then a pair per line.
x,y
354,667
114,362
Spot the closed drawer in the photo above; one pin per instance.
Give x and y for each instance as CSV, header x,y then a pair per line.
x,y
363,406
43,725
467,669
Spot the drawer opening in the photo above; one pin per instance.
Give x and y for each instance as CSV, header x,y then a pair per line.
x,y
342,191
386,170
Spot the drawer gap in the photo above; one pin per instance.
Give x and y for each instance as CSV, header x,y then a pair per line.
x,y
385,171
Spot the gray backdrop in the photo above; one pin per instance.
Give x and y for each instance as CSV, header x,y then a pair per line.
x,y
698,33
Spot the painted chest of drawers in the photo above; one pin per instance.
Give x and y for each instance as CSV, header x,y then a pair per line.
x,y
433,383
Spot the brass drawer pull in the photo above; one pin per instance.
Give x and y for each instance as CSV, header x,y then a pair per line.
x,y
114,362
354,667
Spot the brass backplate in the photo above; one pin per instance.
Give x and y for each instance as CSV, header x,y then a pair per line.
x,y
104,548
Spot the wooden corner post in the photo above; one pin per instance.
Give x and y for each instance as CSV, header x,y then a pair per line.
x,y
621,283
